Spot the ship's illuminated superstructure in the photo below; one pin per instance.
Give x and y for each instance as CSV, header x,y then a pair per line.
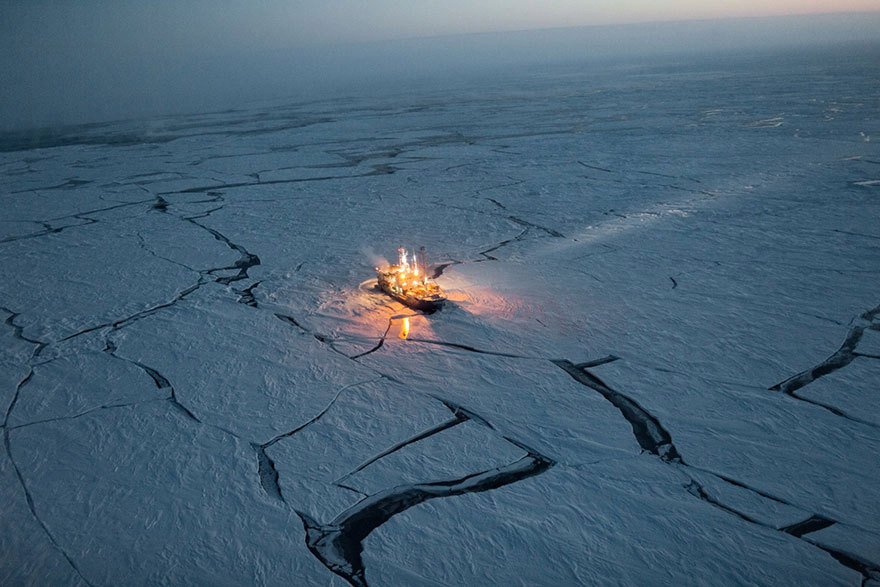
x,y
409,283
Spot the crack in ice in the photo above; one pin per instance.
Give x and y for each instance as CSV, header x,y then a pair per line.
x,y
653,438
842,357
269,477
339,543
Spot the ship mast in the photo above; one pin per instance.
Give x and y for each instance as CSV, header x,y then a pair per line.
x,y
421,259
402,258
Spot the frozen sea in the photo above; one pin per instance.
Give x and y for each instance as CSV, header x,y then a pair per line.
x,y
659,365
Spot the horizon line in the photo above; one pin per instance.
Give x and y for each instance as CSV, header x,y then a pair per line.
x,y
619,24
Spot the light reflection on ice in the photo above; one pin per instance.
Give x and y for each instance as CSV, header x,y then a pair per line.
x,y
619,226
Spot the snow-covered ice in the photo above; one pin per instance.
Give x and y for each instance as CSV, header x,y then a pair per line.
x,y
659,363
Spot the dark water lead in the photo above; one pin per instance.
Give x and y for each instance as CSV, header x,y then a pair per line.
x,y
339,544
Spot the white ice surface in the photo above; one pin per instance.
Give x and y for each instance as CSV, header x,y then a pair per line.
x,y
192,351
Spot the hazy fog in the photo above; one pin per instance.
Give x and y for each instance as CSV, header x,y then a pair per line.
x,y
61,63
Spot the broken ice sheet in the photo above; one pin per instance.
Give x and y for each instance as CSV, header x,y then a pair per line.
x,y
594,535
852,541
748,503
456,452
15,354
91,381
603,213
197,250
870,342
106,277
532,401
194,508
238,368
847,389
811,458
28,551
363,421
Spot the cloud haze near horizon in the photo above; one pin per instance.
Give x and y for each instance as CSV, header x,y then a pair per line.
x,y
96,60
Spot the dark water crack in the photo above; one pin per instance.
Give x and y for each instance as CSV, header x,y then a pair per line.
x,y
597,362
104,209
648,431
33,509
72,183
293,321
842,357
27,379
122,322
696,489
812,524
597,168
244,262
439,269
18,332
468,348
502,244
339,544
742,485
39,346
459,418
352,489
527,224
159,380
204,214
653,438
869,570
143,244
89,411
48,228
269,478
669,176
379,169
246,296
161,204
801,530
378,344
463,413
322,338
832,409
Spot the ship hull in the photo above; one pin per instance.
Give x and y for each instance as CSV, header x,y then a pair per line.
x,y
427,305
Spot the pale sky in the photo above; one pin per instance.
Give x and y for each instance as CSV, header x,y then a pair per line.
x,y
343,20
85,60
218,25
